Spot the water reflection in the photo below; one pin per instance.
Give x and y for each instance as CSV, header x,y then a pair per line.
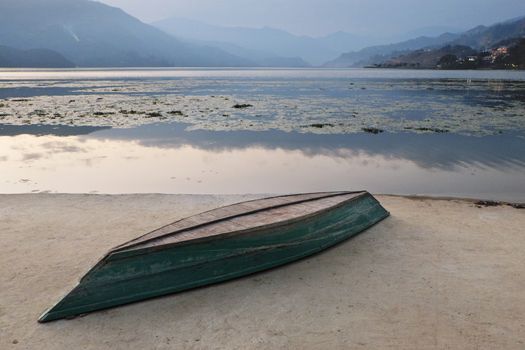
x,y
439,151
168,159
287,73
302,133
40,130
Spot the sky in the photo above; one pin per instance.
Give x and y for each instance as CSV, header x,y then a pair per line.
x,y
319,17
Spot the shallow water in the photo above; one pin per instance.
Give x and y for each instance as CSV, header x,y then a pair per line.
x,y
455,133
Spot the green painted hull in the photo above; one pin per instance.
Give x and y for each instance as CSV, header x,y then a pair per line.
x,y
130,276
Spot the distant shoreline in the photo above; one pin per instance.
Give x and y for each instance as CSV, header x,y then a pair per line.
x,y
448,69
313,68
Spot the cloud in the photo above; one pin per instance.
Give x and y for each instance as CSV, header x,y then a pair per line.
x,y
32,156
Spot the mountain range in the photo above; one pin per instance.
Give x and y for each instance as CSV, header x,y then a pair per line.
x,y
85,33
11,57
91,34
264,43
478,38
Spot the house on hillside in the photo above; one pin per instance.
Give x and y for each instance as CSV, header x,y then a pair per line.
x,y
498,53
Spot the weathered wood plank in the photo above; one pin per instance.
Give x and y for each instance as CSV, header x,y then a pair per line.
x,y
292,211
225,213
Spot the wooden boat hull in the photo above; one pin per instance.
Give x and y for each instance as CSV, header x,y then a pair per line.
x,y
128,276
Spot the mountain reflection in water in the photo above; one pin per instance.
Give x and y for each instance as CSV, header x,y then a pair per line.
x,y
167,158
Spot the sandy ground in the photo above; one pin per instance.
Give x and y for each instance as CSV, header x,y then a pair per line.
x,y
437,274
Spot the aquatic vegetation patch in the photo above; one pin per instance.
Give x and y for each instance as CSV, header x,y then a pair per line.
x,y
153,115
373,130
306,106
427,129
321,125
488,203
242,105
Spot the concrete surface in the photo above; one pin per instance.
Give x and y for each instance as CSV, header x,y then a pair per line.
x,y
438,274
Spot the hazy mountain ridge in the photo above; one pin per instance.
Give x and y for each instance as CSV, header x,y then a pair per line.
x,y
259,58
427,59
86,33
268,41
506,54
92,34
478,38
380,53
482,37
33,58
473,50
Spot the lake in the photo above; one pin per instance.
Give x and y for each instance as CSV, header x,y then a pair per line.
x,y
443,133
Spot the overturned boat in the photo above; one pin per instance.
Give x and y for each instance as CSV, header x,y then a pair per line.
x,y
219,245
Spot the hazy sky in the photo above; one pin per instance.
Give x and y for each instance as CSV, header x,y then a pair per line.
x,y
317,17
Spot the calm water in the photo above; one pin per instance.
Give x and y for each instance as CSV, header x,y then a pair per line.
x,y
458,133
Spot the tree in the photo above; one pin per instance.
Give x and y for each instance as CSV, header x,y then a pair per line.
x,y
448,60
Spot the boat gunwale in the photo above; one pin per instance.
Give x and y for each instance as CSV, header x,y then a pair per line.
x,y
146,250
126,245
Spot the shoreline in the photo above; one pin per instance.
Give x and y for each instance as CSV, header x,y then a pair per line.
x,y
437,273
473,200
484,202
